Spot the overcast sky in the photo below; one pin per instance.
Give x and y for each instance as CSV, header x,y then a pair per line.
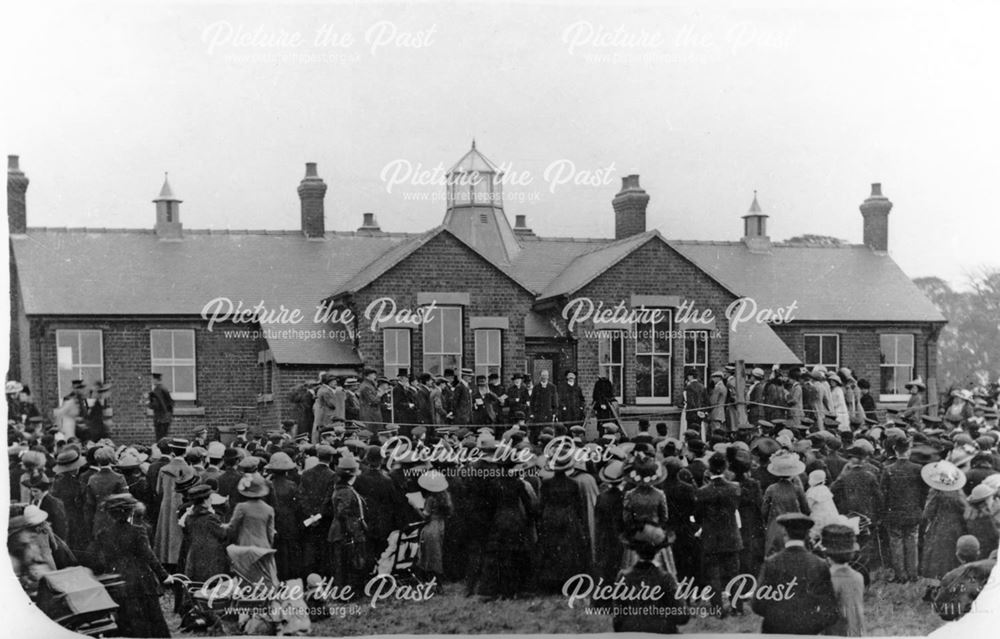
x,y
806,104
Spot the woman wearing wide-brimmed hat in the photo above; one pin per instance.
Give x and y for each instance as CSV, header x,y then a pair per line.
x,y
348,533
251,528
838,406
510,539
123,548
915,406
943,517
205,535
782,497
982,516
284,490
563,543
436,511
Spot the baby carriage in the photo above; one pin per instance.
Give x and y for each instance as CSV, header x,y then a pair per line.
x,y
271,607
204,608
401,555
76,599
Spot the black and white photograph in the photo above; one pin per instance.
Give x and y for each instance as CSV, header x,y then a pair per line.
x,y
342,319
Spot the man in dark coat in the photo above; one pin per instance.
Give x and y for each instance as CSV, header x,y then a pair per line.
x,y
716,505
315,490
369,398
544,400
695,398
835,462
425,410
68,488
461,399
905,494
572,405
378,491
493,382
38,485
485,405
404,403
799,596
162,405
608,522
681,506
517,396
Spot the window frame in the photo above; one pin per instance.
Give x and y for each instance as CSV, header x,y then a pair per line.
x,y
78,367
702,366
652,355
391,368
829,366
605,343
441,355
174,362
904,396
485,368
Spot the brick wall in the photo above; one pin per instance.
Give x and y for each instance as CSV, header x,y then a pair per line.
x,y
655,269
228,376
444,264
860,346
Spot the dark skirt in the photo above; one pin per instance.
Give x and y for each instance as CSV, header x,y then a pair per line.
x,y
140,616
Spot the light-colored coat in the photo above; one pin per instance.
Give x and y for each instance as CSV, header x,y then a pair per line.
x,y
169,534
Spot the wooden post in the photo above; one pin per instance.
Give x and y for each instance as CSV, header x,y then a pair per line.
x,y
741,394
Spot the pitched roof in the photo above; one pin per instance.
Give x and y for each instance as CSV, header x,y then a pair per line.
x,y
827,283
588,266
132,272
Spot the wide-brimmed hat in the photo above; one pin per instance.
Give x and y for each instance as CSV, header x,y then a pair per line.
x,y
433,481
67,460
963,394
647,471
13,387
216,450
118,502
943,475
838,538
785,465
280,461
817,477
199,492
179,444
253,486
916,382
765,446
248,464
613,472
980,493
36,480
486,442
129,458
186,478
962,455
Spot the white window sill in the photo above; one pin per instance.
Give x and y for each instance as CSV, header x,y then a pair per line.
x,y
265,398
183,411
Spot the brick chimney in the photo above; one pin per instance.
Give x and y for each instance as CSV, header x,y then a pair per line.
x,y
521,227
875,211
312,190
168,213
369,224
17,189
630,208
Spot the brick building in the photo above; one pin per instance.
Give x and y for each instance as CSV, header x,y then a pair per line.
x,y
115,304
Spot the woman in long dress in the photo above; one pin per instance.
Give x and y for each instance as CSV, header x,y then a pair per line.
x,y
507,555
563,546
437,510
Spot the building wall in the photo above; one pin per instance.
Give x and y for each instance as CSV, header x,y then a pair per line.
x,y
655,269
446,265
228,376
860,346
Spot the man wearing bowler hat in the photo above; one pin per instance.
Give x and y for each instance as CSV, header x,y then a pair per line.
x,y
517,395
461,399
809,605
162,405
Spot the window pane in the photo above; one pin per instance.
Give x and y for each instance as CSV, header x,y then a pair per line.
x,y
432,333
161,344
643,341
482,347
495,347
90,347
887,349
452,330
432,364
661,376
183,379
643,376
888,380
183,344
904,349
829,343
812,349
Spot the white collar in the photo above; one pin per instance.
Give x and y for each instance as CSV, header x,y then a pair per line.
x,y
792,543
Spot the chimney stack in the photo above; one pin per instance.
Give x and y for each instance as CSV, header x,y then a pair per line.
x,y
312,190
630,208
17,189
875,211
168,213
521,227
369,224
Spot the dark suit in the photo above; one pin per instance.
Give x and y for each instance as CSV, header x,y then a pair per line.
x,y
905,494
424,410
461,404
517,400
314,495
608,528
71,491
371,407
57,515
404,407
162,405
380,497
572,406
812,604
715,510
544,403
485,407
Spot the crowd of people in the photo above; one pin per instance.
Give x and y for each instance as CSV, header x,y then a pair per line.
x,y
516,490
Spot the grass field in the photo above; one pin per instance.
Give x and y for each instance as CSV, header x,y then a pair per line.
x,y
890,609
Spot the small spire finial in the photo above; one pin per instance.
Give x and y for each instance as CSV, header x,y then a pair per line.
x,y
473,144
754,206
